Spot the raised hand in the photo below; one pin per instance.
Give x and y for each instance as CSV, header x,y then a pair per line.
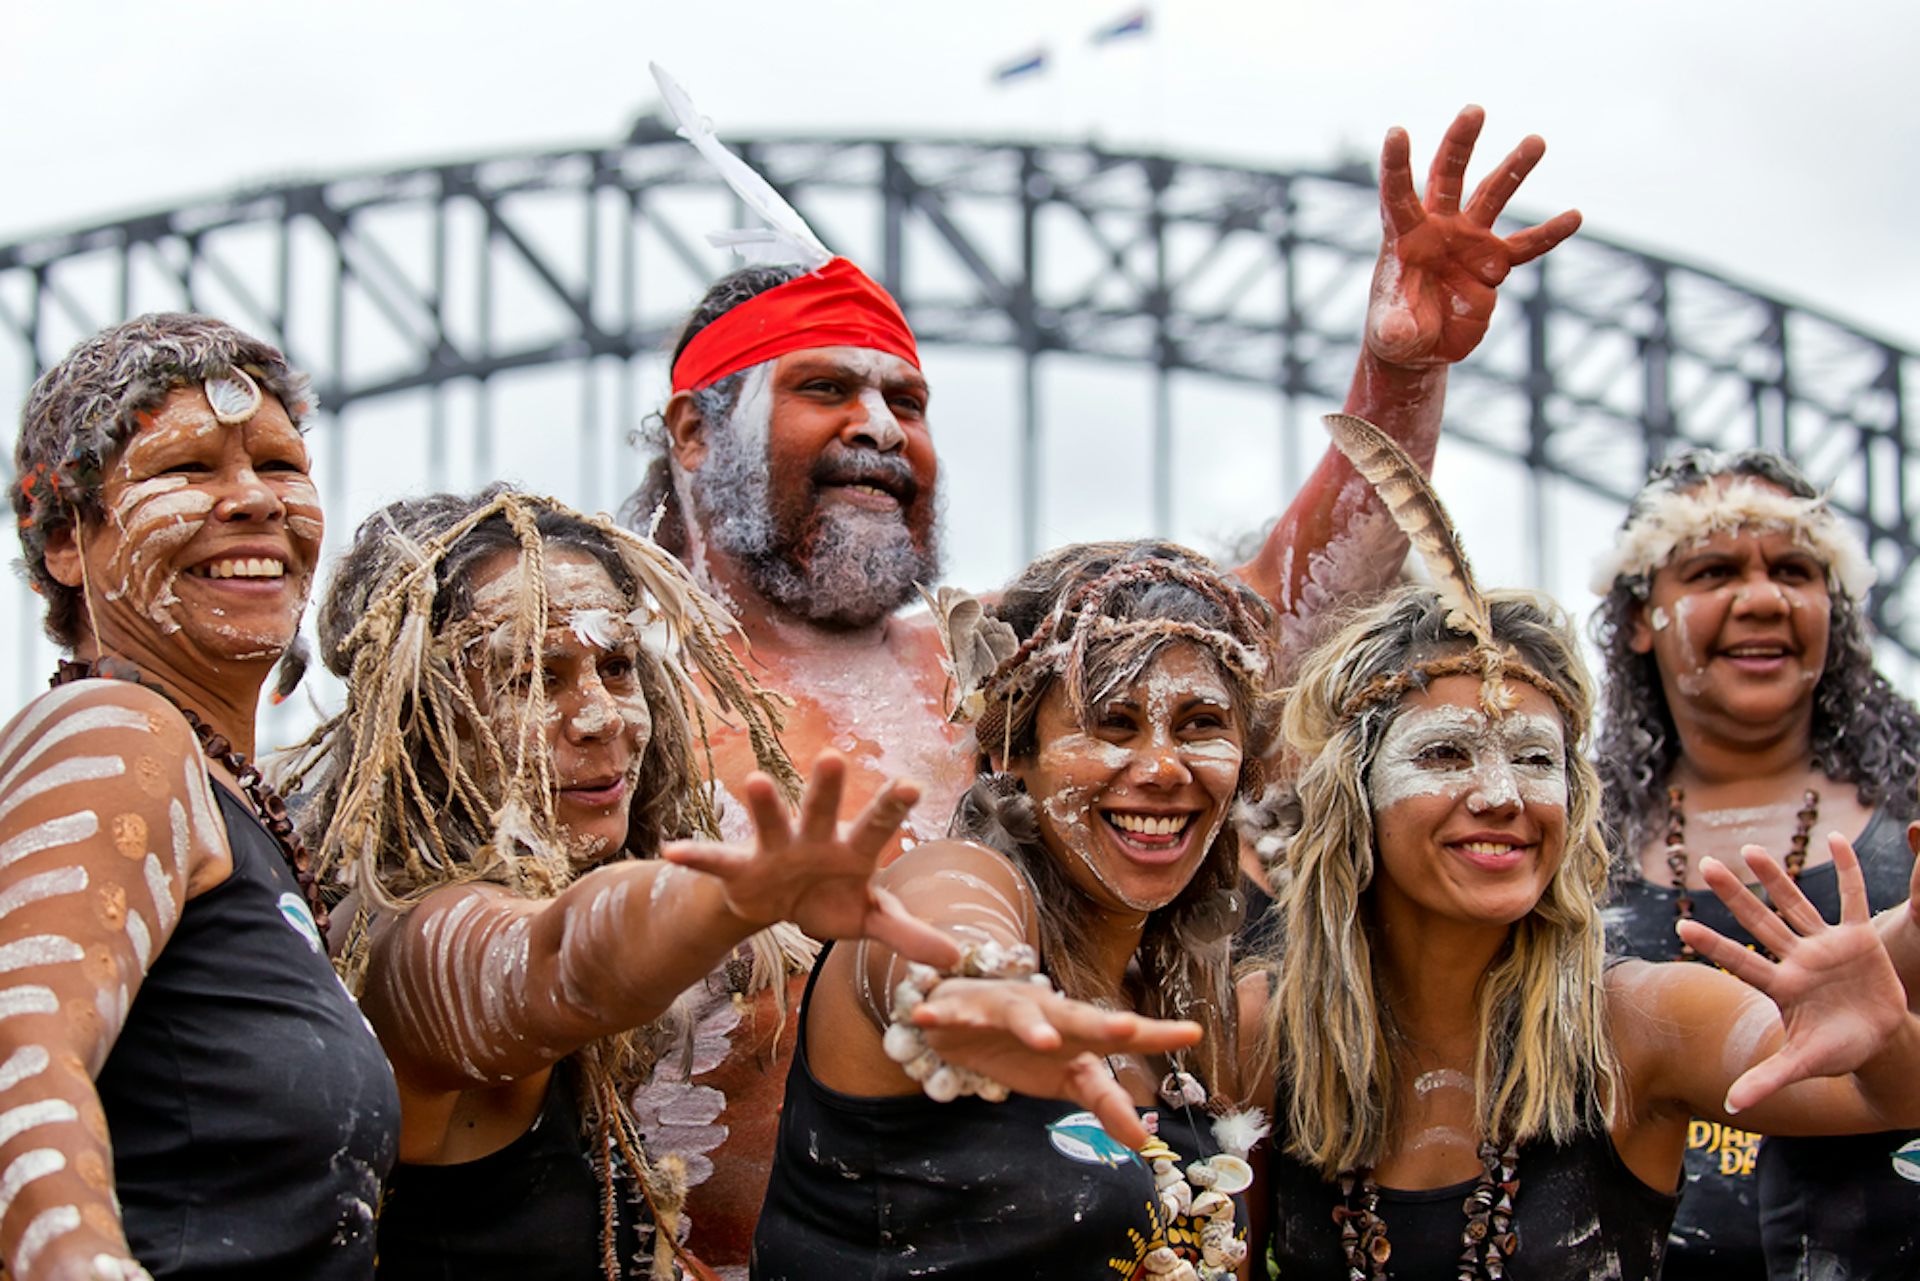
x,y
816,873
1433,289
1036,1041
1835,986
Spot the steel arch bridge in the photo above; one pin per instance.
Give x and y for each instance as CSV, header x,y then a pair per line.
x,y
421,297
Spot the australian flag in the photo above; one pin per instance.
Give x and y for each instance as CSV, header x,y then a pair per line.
x,y
1028,64
1127,24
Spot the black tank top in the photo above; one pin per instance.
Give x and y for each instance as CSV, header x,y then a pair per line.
x,y
1580,1213
252,1112
1750,1209
529,1212
874,1189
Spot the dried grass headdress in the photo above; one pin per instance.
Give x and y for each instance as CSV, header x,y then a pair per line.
x,y
407,811
1421,516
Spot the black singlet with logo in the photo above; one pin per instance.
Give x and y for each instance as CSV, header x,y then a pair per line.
x,y
1843,1209
252,1112
1580,1214
873,1189
529,1212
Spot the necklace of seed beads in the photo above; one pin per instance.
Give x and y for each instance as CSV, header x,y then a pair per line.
x,y
1486,1242
267,804
1677,850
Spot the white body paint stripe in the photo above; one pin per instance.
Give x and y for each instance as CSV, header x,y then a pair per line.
x,y
39,712
29,1116
207,827
24,1169
27,1061
51,834
47,1226
158,885
39,949
28,998
88,720
75,769
142,941
45,885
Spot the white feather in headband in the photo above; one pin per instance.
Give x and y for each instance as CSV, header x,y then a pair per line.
x,y
786,237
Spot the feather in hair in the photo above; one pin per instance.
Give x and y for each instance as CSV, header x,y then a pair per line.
x,y
787,238
1409,498
1421,516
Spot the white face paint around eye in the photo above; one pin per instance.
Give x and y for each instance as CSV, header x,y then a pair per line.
x,y
1449,750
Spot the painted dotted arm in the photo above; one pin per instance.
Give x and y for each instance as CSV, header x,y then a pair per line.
x,y
476,986
107,826
1432,298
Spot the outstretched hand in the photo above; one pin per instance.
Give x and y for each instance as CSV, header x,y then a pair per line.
x,y
816,873
1433,289
1835,985
1036,1041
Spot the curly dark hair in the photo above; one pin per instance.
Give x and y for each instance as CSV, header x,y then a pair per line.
x,y
1865,732
82,410
1184,950
655,491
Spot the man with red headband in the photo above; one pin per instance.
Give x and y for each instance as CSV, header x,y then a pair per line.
x,y
796,474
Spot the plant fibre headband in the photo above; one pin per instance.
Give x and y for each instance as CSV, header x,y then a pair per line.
x,y
837,306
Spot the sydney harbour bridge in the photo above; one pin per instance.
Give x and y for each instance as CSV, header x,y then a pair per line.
x,y
508,316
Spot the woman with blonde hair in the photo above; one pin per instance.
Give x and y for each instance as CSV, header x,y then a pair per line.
x,y
1464,1087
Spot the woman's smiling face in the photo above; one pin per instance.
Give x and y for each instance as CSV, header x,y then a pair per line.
x,y
1469,811
1131,802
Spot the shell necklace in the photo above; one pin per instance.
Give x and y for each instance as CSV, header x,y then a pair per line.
x,y
1487,1240
1677,850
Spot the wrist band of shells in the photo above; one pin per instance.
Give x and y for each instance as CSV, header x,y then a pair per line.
x,y
907,1045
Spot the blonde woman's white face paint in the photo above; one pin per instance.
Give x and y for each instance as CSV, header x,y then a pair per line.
x,y
1470,811
209,528
1738,623
1132,801
592,714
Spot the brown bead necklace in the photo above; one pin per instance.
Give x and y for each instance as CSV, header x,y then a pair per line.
x,y
1486,1242
1677,850
267,804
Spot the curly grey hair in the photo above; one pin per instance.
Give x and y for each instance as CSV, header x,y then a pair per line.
x,y
85,408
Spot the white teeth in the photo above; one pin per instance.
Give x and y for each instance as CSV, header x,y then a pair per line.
x,y
245,567
1146,825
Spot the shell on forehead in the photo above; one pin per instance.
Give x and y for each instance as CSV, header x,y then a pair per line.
x,y
234,397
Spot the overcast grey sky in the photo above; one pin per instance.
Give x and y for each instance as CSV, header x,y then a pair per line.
x,y
1772,141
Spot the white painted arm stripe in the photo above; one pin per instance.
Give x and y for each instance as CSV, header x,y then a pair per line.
x,y
27,1061
43,885
65,830
28,1116
39,949
75,769
88,720
47,1226
24,1169
28,998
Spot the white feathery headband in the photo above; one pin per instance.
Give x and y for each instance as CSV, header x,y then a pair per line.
x,y
1670,519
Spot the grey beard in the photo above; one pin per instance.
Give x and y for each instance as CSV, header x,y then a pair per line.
x,y
855,568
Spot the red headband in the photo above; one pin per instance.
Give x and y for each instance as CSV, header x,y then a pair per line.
x,y
837,306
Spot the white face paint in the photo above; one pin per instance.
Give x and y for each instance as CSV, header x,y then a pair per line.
x,y
594,719
1138,796
1457,751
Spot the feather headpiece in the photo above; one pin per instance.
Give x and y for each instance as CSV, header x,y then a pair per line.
x,y
785,237
1422,517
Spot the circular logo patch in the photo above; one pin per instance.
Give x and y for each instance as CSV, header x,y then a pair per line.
x,y
1079,1136
294,908
1906,1161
